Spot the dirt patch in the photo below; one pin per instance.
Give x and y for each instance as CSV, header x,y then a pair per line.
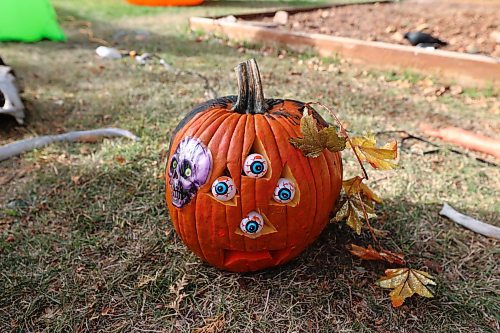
x,y
466,27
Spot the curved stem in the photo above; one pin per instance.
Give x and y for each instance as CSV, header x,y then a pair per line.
x,y
250,95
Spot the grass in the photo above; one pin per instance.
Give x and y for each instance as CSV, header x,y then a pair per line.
x,y
85,240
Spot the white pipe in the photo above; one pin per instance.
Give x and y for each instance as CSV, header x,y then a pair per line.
x,y
19,147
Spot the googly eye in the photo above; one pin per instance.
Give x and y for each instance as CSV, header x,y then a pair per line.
x,y
284,191
252,224
223,188
255,166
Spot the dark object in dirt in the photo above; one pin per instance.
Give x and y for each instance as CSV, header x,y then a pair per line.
x,y
417,38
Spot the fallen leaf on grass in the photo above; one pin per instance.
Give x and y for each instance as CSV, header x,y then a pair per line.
x,y
405,282
370,253
365,253
120,159
314,140
212,325
144,280
378,157
178,290
393,258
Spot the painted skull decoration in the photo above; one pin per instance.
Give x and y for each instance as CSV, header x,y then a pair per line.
x,y
190,168
240,196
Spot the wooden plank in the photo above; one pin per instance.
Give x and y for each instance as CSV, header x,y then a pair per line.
x,y
469,69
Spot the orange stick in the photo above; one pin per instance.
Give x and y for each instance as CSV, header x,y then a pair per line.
x,y
465,139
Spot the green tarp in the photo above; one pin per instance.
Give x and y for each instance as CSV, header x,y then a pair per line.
x,y
28,21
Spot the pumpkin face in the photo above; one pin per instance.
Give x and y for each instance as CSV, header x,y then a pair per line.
x,y
240,196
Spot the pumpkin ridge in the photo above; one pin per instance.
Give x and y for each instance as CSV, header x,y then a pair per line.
x,y
306,168
233,119
320,191
234,168
247,198
205,231
284,216
228,126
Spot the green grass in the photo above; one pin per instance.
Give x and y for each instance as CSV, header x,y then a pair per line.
x,y
85,239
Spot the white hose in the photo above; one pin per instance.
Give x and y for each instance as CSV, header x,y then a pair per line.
x,y
470,223
19,147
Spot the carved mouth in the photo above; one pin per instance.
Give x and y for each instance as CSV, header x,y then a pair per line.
x,y
253,260
179,198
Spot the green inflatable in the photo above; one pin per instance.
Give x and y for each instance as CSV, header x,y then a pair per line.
x,y
28,21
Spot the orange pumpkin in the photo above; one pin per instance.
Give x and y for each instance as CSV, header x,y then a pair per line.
x,y
240,196
166,2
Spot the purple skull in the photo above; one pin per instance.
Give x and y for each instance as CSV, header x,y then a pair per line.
x,y
189,168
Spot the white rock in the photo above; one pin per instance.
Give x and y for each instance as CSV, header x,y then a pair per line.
x,y
281,17
108,52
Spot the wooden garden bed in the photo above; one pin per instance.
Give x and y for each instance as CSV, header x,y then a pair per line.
x,y
257,27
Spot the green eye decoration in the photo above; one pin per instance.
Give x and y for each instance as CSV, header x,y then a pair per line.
x,y
187,172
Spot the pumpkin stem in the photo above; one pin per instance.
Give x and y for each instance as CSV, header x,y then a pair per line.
x,y
250,95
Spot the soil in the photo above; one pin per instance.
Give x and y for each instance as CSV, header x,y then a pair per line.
x,y
466,27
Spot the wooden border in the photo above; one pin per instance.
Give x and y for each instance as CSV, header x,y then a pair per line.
x,y
466,69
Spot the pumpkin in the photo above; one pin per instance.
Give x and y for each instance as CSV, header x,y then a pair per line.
x,y
240,196
166,2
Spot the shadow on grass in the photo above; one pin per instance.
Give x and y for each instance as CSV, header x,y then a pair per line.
x,y
82,251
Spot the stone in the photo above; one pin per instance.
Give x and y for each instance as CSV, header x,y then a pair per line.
x,y
495,36
281,17
472,48
397,36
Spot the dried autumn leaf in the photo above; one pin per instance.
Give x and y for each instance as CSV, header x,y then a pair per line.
x,y
314,141
355,185
352,210
378,157
365,253
370,253
405,282
393,258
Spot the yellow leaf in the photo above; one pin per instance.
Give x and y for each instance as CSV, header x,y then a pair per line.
x,y
354,219
355,185
352,210
405,282
314,141
378,157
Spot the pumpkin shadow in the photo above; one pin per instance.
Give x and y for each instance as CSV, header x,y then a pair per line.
x,y
413,229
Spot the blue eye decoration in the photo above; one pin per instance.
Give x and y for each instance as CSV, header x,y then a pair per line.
x,y
223,188
284,192
252,224
255,166
252,227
